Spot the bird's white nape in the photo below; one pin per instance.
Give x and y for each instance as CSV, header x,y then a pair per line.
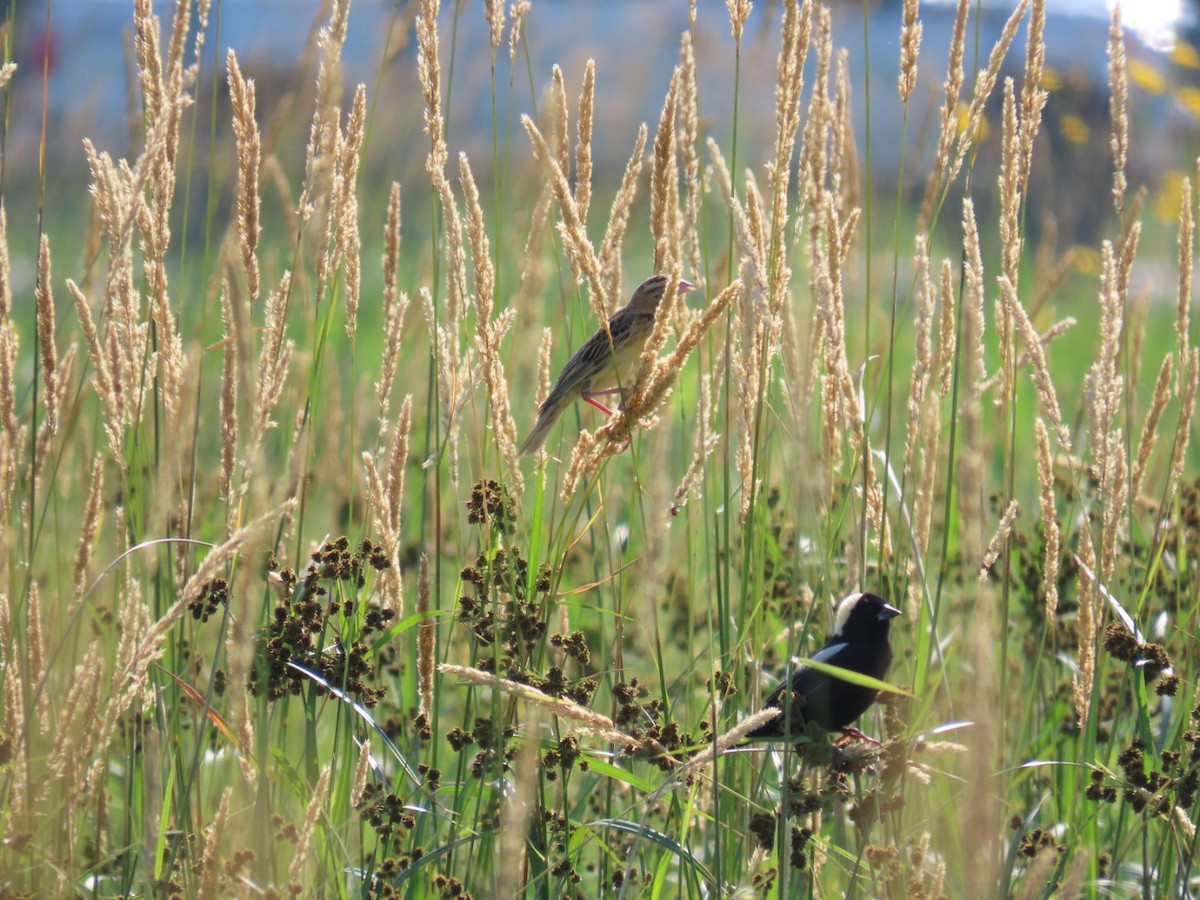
x,y
843,612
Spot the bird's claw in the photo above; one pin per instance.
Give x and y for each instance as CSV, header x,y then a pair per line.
x,y
853,734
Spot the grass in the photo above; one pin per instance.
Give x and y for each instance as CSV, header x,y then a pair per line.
x,y
283,612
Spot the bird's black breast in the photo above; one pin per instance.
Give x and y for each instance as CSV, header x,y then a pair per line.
x,y
820,698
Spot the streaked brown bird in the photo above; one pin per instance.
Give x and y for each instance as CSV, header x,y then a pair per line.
x,y
605,363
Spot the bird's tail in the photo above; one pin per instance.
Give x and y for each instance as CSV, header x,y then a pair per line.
x,y
546,418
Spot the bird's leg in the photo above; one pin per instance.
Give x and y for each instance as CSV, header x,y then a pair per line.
x,y
616,390
853,734
587,397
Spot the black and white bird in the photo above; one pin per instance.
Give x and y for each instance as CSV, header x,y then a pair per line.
x,y
860,644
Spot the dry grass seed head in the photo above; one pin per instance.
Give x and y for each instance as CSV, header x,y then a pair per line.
x,y
426,637
1183,297
296,868
518,11
519,808
600,724
1088,625
5,269
1118,85
488,332
9,344
249,163
618,217
1049,514
984,83
47,350
998,539
583,145
91,524
348,240
1158,402
560,120
1033,95
1036,352
948,118
229,397
493,12
704,444
572,228
664,190
926,306
739,12
971,470
1187,410
910,45
689,151
209,870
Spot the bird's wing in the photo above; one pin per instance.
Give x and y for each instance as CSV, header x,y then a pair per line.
x,y
827,653
804,678
594,356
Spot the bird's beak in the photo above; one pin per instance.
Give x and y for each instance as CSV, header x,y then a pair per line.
x,y
888,612
685,286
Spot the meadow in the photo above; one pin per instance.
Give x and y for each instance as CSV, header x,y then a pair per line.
x,y
283,612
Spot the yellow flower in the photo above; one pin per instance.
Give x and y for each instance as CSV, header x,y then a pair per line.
x,y
981,132
1185,55
1145,76
1189,96
1085,260
1168,196
1074,129
1051,79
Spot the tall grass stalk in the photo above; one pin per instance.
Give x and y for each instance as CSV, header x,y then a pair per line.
x,y
282,610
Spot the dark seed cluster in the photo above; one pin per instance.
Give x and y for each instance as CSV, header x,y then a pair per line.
x,y
1149,790
383,811
1151,658
323,633
212,597
492,504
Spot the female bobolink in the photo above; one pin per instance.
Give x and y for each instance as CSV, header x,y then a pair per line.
x,y
603,364
859,643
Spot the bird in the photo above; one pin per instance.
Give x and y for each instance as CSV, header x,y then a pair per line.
x,y
860,644
605,362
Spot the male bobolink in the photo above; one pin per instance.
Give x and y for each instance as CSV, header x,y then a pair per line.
x,y
605,360
859,643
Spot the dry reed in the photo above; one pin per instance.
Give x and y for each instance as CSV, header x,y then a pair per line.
x,y
999,539
1033,95
47,349
5,268
386,493
1118,85
489,332
1183,296
248,201
583,142
948,116
1149,436
1048,510
296,867
598,724
87,532
426,639
970,499
910,46
395,307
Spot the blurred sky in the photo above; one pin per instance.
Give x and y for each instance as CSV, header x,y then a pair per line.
x,y
90,37
635,44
